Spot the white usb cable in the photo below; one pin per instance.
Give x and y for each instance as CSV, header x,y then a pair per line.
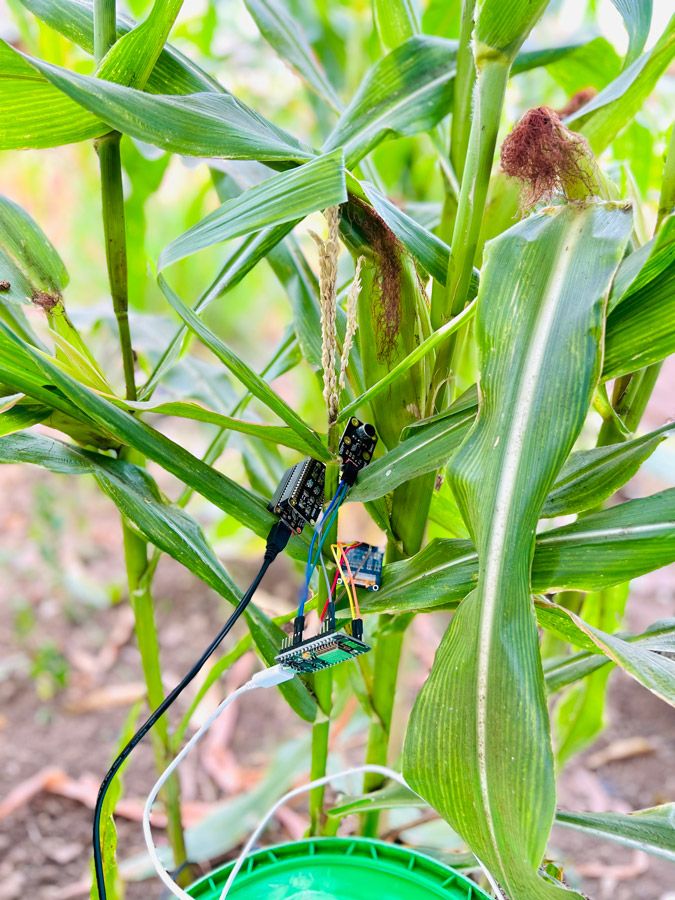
x,y
264,679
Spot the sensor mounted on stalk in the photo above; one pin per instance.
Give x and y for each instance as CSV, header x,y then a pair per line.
x,y
298,499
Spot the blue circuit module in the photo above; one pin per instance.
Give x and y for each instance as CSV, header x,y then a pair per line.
x,y
365,562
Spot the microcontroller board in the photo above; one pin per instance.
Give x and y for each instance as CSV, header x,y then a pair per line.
x,y
321,652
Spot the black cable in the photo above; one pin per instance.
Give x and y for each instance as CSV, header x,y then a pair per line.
x,y
276,542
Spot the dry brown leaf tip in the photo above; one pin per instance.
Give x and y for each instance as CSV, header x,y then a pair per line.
x,y
546,156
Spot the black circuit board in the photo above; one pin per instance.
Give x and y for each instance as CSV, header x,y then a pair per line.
x,y
298,499
321,652
365,562
356,448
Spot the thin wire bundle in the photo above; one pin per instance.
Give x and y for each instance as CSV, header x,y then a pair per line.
x,y
349,583
322,529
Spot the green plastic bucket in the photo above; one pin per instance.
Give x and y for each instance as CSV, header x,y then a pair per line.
x,y
339,869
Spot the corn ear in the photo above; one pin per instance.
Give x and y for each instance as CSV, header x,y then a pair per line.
x,y
393,319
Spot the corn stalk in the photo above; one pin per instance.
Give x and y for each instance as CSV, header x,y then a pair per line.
x,y
135,548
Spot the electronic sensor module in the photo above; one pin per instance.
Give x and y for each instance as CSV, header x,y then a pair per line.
x,y
299,497
356,448
365,562
321,652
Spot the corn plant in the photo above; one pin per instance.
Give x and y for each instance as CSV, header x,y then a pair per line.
x,y
505,347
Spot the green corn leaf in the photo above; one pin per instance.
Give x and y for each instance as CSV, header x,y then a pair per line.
x,y
22,372
240,262
425,451
591,476
393,796
33,113
136,495
70,351
203,124
410,91
645,266
651,830
641,328
637,17
293,271
587,478
132,58
596,552
579,716
30,267
220,490
197,412
256,385
280,199
632,538
640,325
284,33
651,669
173,73
16,414
614,107
543,289
167,527
561,673
396,21
28,260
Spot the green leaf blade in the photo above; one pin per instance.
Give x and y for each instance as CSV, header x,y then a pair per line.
x,y
542,297
408,91
256,385
613,108
280,199
637,17
591,476
284,33
199,124
651,830
633,538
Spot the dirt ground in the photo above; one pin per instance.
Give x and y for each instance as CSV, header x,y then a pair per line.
x,y
60,559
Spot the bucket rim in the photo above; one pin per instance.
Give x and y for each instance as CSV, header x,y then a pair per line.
x,y
357,846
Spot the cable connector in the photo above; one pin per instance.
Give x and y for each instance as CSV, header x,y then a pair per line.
x,y
357,629
271,677
277,539
298,630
